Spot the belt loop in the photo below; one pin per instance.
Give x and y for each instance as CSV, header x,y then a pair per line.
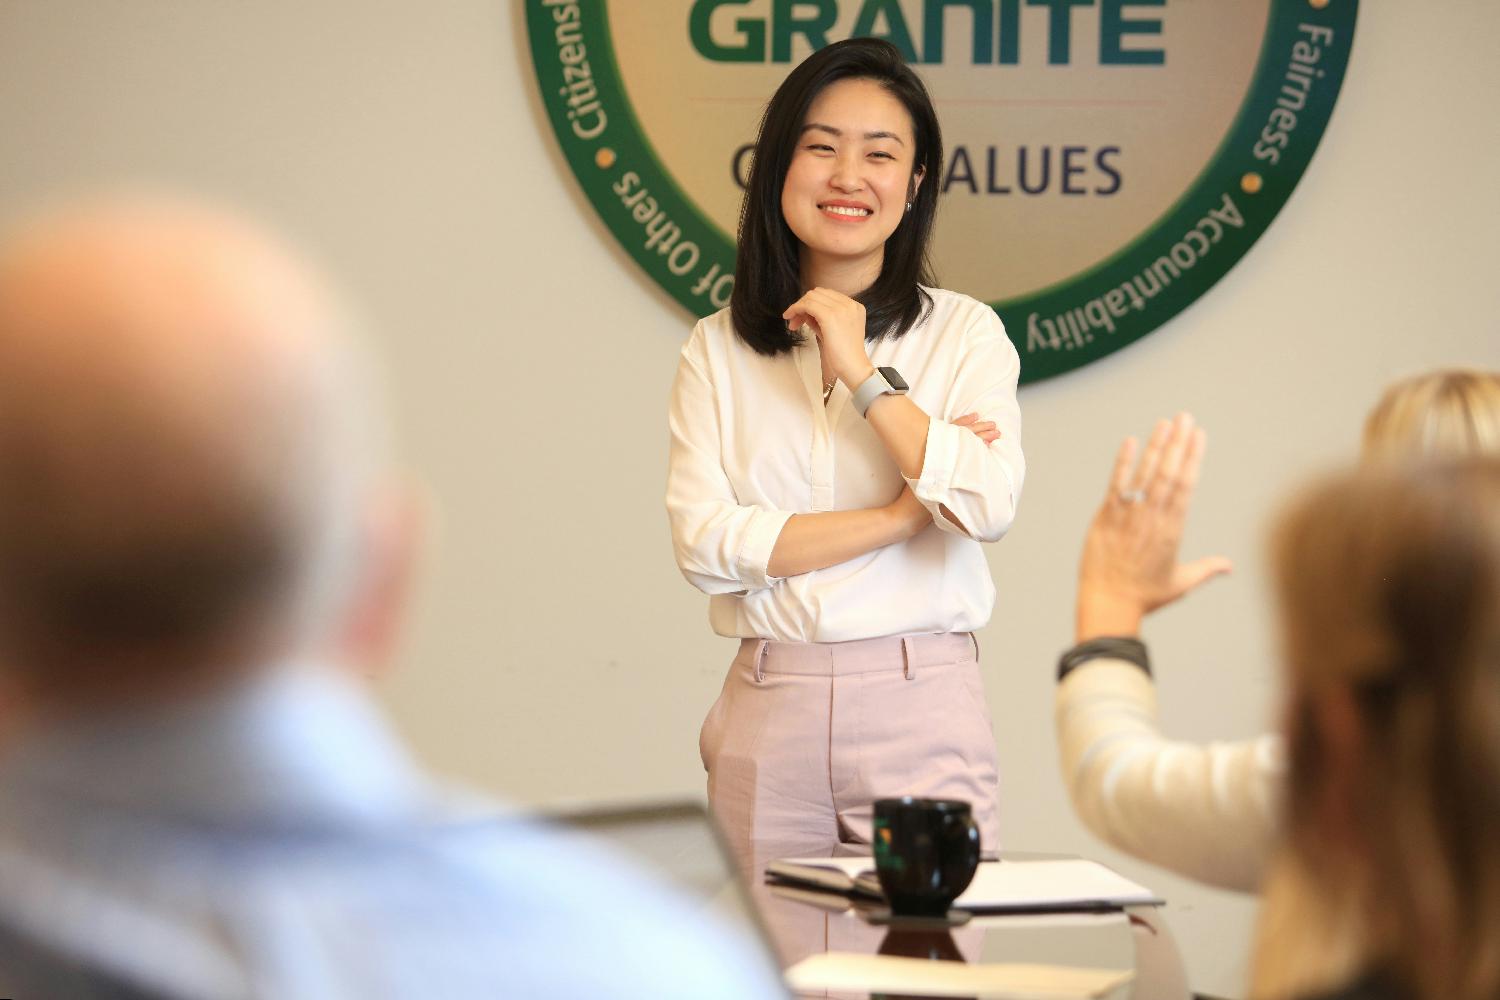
x,y
760,656
906,656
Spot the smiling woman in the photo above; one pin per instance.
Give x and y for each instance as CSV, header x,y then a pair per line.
x,y
851,126
844,436
850,184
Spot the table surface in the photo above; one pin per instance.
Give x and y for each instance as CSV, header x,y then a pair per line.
x,y
802,923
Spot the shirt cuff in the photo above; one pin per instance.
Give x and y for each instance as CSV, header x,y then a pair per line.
x,y
1113,647
755,552
938,464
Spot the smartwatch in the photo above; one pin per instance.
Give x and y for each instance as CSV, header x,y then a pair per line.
x,y
882,382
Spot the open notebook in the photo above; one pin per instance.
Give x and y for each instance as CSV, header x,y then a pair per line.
x,y
1004,886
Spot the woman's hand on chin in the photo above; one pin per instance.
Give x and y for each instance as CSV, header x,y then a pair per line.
x,y
838,322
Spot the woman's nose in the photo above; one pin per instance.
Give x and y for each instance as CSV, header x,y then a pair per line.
x,y
846,175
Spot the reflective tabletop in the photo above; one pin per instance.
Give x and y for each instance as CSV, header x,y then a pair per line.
x,y
802,923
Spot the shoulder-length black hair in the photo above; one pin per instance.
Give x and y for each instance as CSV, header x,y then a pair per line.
x,y
767,276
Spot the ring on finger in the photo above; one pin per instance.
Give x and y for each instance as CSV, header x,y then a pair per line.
x,y
1131,496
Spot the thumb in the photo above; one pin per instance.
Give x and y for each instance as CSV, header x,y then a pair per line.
x,y
1190,576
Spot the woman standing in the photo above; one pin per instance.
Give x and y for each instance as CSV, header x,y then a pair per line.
x,y
843,439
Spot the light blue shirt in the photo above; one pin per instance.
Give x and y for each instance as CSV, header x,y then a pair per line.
x,y
276,841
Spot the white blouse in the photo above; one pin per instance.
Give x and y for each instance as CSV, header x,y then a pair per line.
x,y
753,444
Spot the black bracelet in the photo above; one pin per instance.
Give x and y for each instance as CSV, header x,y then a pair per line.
x,y
1114,647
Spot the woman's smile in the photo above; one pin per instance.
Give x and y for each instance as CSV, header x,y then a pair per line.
x,y
841,210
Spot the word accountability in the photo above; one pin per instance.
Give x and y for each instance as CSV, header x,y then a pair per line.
x,y
1074,327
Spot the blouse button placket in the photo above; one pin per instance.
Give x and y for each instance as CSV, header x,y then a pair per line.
x,y
825,418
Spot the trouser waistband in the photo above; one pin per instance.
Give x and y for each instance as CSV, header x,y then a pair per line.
x,y
904,653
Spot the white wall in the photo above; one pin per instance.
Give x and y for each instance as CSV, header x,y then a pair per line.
x,y
555,651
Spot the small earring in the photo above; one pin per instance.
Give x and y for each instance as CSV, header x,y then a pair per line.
x,y
908,206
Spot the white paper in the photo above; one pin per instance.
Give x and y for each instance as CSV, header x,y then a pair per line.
x,y
1021,885
850,866
891,974
1040,884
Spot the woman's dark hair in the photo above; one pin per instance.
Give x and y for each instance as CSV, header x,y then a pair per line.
x,y
767,276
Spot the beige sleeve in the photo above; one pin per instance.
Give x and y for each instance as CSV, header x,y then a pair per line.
x,y
1207,811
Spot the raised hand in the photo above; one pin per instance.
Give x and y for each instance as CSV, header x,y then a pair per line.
x,y
1130,556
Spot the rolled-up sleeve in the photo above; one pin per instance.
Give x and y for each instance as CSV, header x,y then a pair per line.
x,y
722,546
979,483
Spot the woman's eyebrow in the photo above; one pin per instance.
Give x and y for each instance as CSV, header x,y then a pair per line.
x,y
839,132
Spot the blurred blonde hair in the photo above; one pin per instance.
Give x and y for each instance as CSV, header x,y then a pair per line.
x,y
1389,585
1450,412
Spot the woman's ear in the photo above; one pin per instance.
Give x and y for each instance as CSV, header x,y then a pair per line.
x,y
916,182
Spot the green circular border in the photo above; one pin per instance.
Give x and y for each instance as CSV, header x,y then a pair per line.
x,y
1056,329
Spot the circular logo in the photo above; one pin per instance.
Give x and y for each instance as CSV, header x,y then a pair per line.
x,y
1107,160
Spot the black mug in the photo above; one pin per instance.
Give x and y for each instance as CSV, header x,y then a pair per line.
x,y
926,853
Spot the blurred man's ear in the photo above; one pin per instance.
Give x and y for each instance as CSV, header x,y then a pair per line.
x,y
394,531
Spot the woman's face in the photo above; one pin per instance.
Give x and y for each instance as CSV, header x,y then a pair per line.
x,y
849,180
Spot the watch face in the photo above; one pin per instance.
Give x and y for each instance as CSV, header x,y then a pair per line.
x,y
894,378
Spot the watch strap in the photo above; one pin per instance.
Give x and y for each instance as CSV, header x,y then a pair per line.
x,y
870,389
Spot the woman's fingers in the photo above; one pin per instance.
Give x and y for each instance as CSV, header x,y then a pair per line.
x,y
1187,476
1190,576
1119,478
986,430
796,319
1151,457
831,298
805,310
795,307
1173,456
826,307
819,304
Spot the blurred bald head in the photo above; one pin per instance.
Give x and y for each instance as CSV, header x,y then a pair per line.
x,y
185,446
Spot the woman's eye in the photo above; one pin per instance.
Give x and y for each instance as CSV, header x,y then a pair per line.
x,y
818,147
881,154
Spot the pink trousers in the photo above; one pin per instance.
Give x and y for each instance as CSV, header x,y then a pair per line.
x,y
805,737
